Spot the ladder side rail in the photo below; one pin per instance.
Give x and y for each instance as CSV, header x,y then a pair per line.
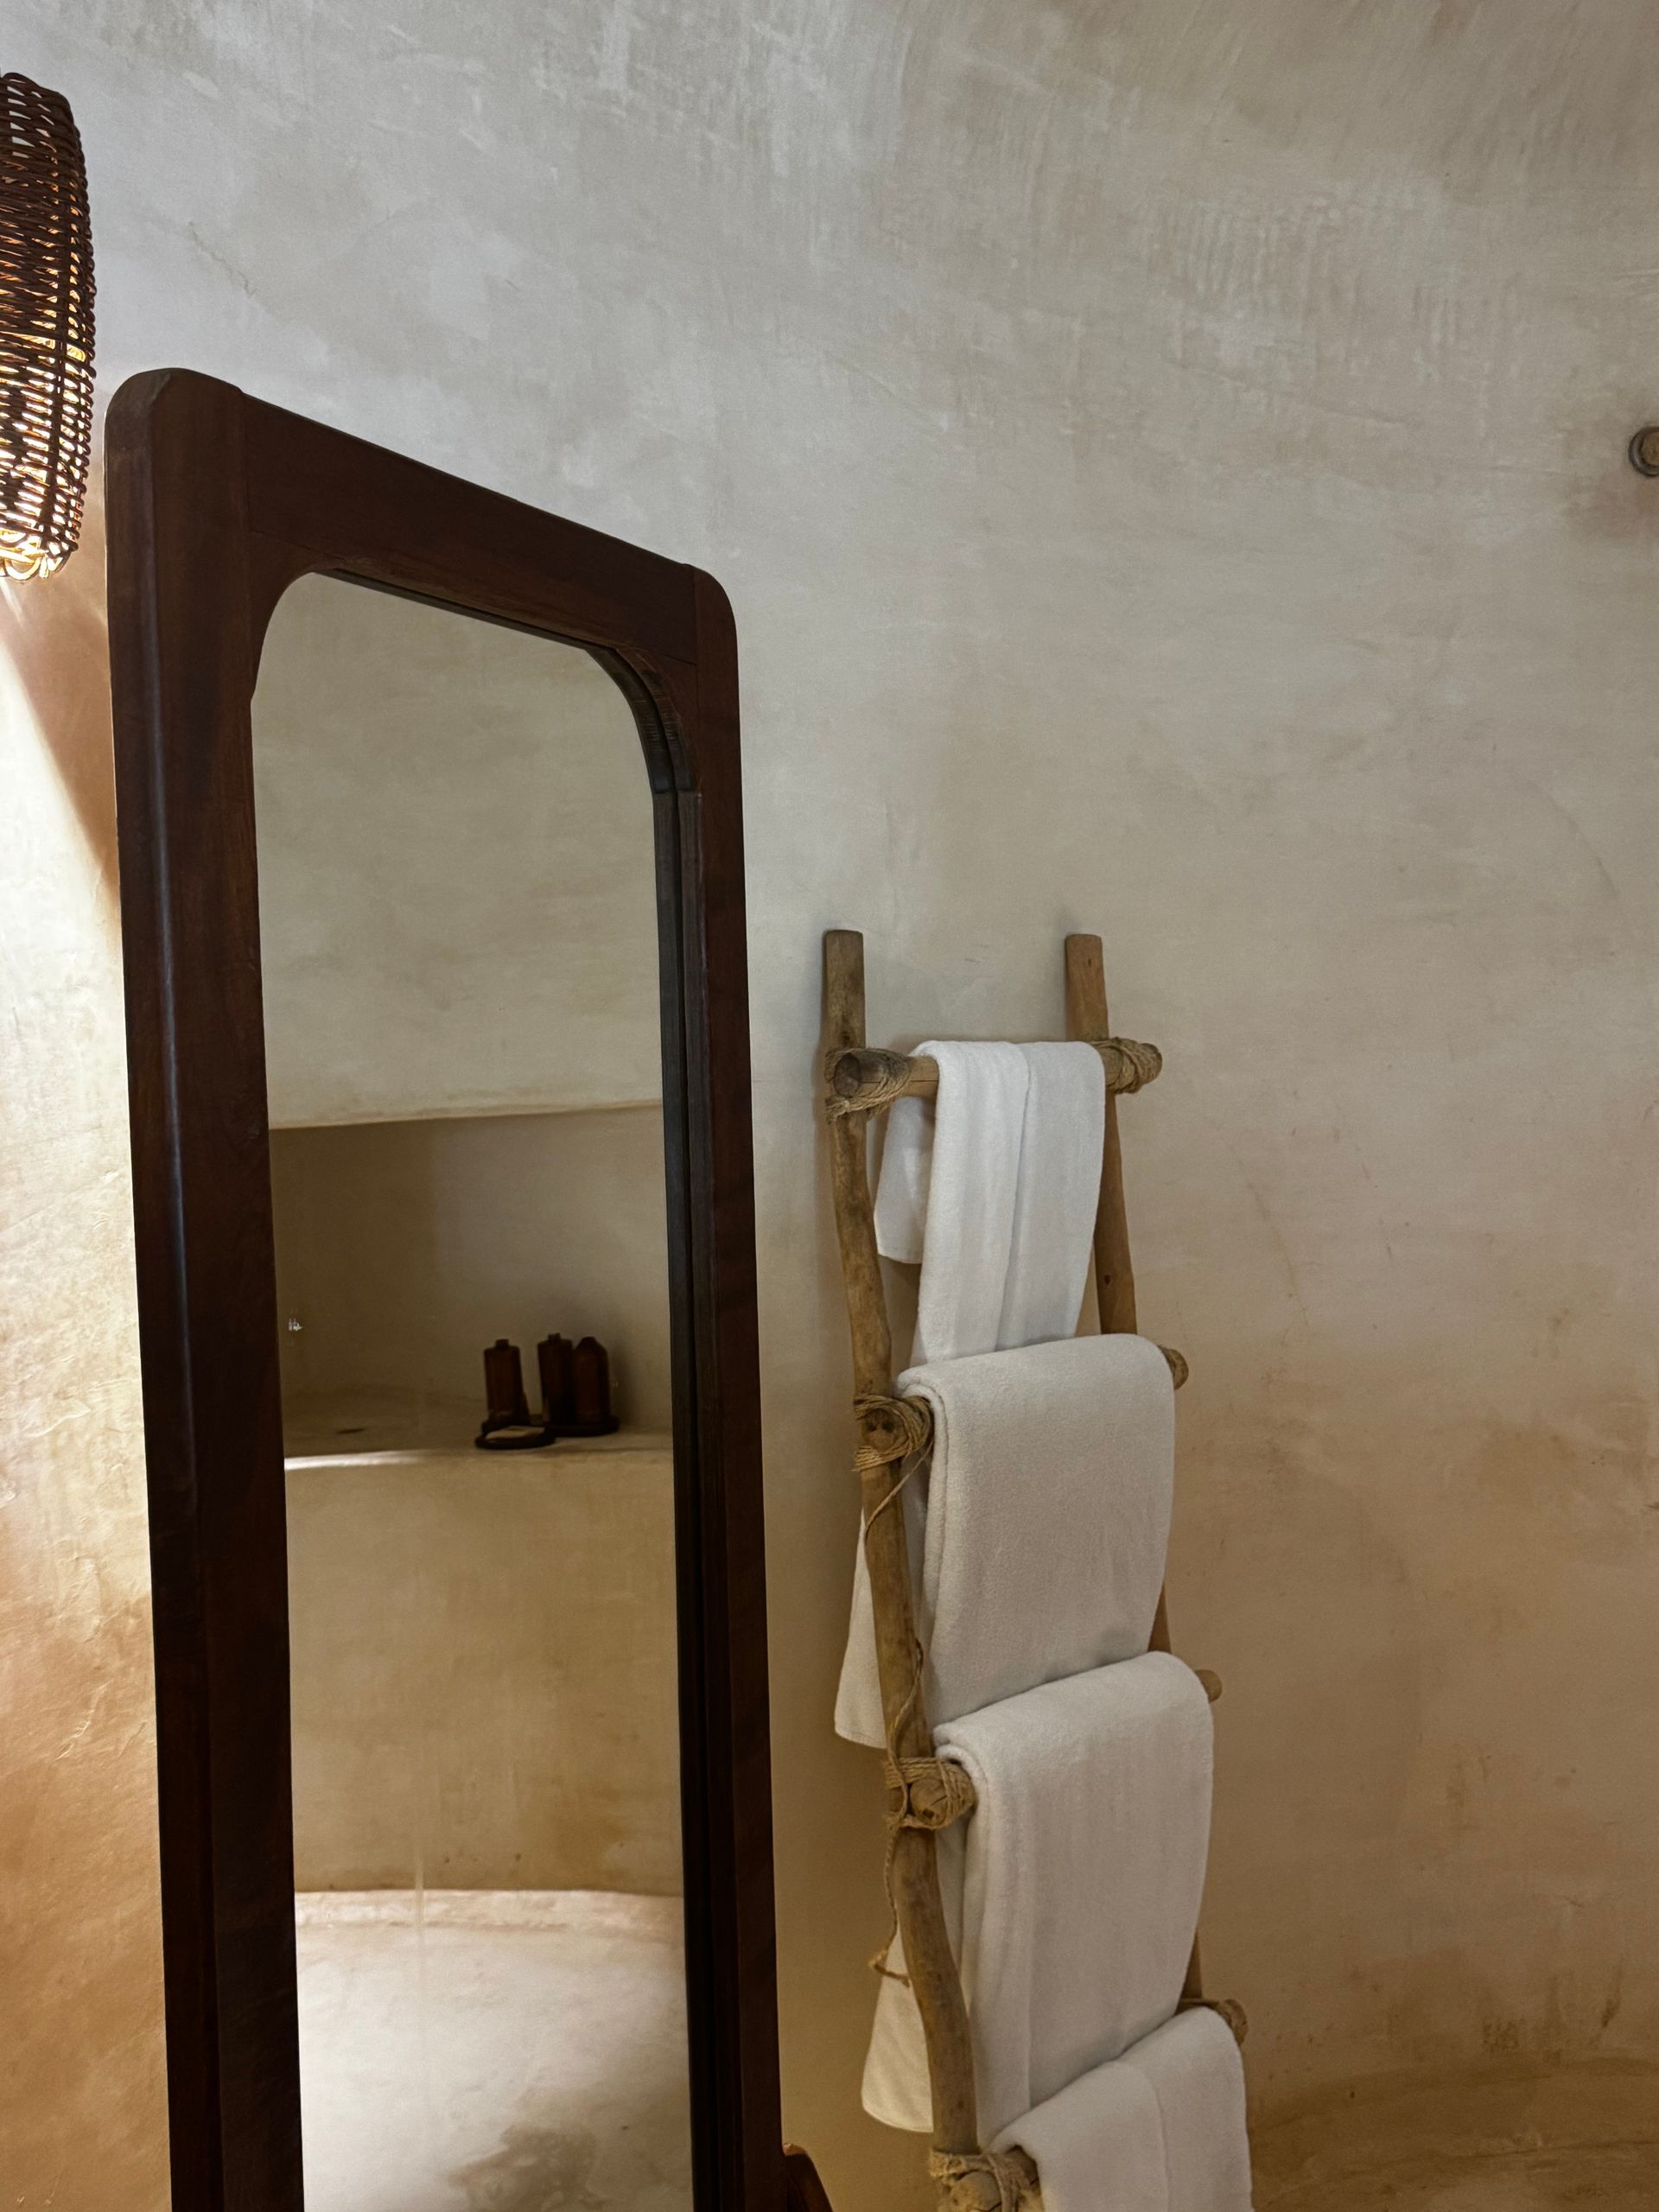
x,y
914,1875
1087,1016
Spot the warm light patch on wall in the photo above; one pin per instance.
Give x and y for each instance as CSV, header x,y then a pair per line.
x,y
46,330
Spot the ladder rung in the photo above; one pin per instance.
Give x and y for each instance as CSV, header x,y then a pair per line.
x,y
862,1077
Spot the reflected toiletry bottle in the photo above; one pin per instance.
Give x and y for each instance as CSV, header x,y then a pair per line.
x,y
592,1366
556,1358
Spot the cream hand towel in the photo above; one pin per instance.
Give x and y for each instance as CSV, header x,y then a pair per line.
x,y
1057,1198
1098,2145
1161,2129
1195,2067
992,1187
1040,1529
1073,1890
949,1175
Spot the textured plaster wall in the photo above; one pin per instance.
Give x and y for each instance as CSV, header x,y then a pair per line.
x,y
81,2093
1167,465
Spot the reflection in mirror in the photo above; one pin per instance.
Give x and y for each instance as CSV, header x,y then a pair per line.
x,y
459,938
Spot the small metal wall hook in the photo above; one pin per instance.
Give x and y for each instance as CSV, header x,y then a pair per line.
x,y
1645,450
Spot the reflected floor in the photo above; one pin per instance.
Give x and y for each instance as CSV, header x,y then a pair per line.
x,y
492,2051
1521,2138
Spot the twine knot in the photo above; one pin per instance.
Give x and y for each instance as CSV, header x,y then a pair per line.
x,y
862,1079
908,1426
1136,1064
982,2181
930,1793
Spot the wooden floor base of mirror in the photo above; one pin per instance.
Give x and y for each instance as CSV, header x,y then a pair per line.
x,y
807,2193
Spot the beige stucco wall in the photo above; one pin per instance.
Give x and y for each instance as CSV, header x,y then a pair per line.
x,y
81,2100
1167,465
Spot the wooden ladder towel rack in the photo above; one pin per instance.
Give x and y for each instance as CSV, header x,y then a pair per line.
x,y
893,1439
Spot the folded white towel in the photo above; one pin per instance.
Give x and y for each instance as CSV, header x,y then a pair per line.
x,y
992,1187
1161,2129
1072,1891
1041,1528
1058,1195
950,1174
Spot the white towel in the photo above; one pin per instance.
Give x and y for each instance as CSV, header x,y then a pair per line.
x,y
949,1176
1040,1529
1161,2129
1072,1891
992,1187
1058,1196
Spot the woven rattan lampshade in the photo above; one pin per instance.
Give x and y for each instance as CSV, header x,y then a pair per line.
x,y
46,330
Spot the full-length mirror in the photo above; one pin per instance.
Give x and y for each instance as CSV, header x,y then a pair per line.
x,y
432,904
458,933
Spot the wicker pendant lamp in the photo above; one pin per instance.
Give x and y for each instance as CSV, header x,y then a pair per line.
x,y
46,330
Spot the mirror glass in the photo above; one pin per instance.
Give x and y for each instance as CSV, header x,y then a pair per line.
x,y
459,940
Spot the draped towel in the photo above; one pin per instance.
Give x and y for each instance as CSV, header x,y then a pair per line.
x,y
1161,2129
1039,1534
992,1186
1071,1893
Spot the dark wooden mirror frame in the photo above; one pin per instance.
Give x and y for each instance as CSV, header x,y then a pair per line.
x,y
217,504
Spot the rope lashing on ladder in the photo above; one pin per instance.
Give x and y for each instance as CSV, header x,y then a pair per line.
x,y
904,1814
863,1078
1137,1065
982,2181
881,1077
928,1793
908,1424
